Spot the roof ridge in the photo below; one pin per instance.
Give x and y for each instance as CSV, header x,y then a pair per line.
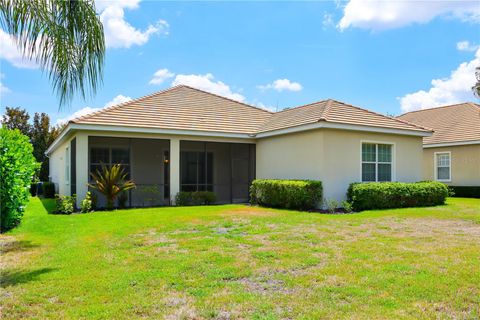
x,y
216,95
327,109
441,107
386,116
116,106
301,106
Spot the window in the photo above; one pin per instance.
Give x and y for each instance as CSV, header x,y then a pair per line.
x,y
109,156
376,162
67,165
442,166
196,169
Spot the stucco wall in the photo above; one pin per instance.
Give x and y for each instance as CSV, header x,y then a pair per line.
x,y
57,169
342,158
465,162
334,157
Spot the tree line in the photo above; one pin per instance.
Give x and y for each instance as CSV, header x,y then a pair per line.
x,y
40,132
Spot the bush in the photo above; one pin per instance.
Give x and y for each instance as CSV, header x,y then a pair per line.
x,y
49,190
332,205
17,168
196,198
383,195
64,204
347,206
86,205
289,194
466,191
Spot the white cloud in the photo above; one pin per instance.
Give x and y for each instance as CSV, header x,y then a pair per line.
x,y
327,20
76,114
117,100
467,46
454,89
380,15
3,88
207,82
160,76
265,107
281,85
118,32
10,52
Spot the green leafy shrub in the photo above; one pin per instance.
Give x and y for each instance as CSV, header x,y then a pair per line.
x,y
347,206
17,168
86,204
64,204
289,194
196,198
384,195
48,190
331,204
465,191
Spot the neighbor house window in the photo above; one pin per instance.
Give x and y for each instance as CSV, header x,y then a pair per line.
x,y
376,162
196,170
67,165
109,156
443,166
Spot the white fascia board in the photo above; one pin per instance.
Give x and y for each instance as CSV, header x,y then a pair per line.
x,y
95,127
451,144
342,126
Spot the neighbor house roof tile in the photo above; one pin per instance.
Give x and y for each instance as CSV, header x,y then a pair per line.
x,y
454,123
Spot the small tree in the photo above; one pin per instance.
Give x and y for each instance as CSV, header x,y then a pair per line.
x,y
17,167
111,182
476,87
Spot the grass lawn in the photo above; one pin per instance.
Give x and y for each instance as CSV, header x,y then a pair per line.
x,y
230,262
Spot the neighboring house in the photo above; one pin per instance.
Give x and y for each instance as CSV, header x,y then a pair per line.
x,y
185,139
452,153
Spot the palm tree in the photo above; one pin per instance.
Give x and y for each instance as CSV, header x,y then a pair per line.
x,y
476,87
64,36
111,182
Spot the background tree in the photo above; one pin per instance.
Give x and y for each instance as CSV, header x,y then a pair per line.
x,y
64,36
42,135
476,87
17,118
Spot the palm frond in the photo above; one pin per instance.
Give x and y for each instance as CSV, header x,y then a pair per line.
x,y
65,37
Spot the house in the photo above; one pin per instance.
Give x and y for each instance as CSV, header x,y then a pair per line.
x,y
452,153
185,139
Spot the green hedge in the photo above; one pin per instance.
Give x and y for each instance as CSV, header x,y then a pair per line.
x,y
17,167
196,198
289,194
466,191
383,195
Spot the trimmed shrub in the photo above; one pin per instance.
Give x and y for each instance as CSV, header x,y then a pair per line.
x,y
466,191
17,168
49,190
86,204
64,204
289,194
384,195
196,198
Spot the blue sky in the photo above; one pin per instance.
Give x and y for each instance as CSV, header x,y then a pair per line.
x,y
377,55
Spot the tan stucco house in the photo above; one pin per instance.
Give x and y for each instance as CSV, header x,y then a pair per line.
x,y
185,139
452,153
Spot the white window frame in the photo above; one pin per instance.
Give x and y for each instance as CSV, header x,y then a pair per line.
x,y
435,166
67,165
393,163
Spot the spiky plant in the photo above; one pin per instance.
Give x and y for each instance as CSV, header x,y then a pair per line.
x,y
64,36
111,182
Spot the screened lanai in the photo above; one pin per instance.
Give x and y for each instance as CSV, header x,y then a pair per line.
x,y
227,169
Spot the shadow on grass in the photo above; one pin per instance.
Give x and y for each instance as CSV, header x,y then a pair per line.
x,y
10,278
48,204
7,245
